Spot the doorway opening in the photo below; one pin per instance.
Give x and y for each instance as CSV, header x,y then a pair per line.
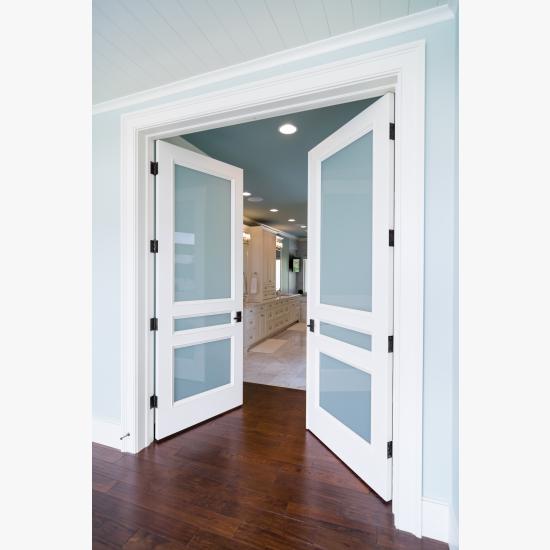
x,y
273,154
335,166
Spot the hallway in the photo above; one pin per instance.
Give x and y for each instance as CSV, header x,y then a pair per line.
x,y
252,478
282,364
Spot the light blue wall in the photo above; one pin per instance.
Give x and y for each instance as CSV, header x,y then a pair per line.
x,y
454,494
106,268
440,243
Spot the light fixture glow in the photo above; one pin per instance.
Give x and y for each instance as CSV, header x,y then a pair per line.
x,y
303,226
273,210
291,220
287,129
246,194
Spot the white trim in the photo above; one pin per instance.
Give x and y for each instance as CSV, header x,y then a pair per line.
x,y
453,530
106,432
435,519
400,69
179,141
359,36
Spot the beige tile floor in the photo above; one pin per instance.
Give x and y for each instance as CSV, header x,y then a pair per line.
x,y
285,367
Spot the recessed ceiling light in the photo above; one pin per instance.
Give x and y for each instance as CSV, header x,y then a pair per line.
x,y
287,129
255,199
291,220
246,194
273,210
303,226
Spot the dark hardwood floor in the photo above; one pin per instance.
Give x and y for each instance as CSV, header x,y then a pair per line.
x,y
252,478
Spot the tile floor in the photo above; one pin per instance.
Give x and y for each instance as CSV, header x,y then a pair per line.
x,y
284,367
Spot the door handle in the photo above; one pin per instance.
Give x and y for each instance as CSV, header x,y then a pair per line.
x,y
311,325
238,317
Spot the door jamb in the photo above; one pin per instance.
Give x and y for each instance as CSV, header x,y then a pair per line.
x,y
398,69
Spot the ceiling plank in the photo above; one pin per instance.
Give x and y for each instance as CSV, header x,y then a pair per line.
x,y
262,24
209,26
166,22
421,5
288,22
340,16
393,9
131,47
313,18
104,84
229,13
366,12
122,63
158,47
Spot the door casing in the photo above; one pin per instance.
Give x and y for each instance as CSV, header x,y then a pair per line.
x,y
400,70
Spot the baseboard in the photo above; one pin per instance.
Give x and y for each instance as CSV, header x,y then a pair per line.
x,y
106,432
435,519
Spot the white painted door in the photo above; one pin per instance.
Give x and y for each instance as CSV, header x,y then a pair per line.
x,y
350,294
199,284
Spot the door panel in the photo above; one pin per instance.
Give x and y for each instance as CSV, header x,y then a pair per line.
x,y
199,290
350,293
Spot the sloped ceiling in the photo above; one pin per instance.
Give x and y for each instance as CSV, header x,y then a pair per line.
x,y
142,44
275,165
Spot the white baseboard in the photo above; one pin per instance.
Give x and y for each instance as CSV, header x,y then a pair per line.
x,y
435,519
106,432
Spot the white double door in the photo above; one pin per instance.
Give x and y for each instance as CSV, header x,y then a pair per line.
x,y
350,294
199,288
199,343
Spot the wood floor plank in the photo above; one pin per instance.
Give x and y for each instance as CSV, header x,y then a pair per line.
x,y
144,540
135,517
250,479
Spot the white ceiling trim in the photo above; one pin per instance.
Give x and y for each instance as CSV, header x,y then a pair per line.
x,y
367,34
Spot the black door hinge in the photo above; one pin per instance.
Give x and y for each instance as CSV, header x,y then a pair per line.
x,y
391,237
311,325
390,449
153,402
153,324
238,316
154,168
392,131
154,246
390,344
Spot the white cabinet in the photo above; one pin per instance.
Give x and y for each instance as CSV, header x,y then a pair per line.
x,y
261,265
303,310
267,319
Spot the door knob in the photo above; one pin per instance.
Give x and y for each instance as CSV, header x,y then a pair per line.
x,y
311,325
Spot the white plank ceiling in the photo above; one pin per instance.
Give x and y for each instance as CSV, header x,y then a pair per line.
x,y
142,44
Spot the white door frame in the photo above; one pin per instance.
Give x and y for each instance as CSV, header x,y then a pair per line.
x,y
400,70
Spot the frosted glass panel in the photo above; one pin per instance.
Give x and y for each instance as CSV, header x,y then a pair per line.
x,y
346,226
345,393
201,367
352,337
202,321
202,236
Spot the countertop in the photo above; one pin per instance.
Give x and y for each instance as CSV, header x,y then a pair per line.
x,y
272,300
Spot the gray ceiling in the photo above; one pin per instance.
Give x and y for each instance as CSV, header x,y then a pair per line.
x,y
275,165
142,44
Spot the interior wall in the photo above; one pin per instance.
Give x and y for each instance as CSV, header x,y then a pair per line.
x,y
440,232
